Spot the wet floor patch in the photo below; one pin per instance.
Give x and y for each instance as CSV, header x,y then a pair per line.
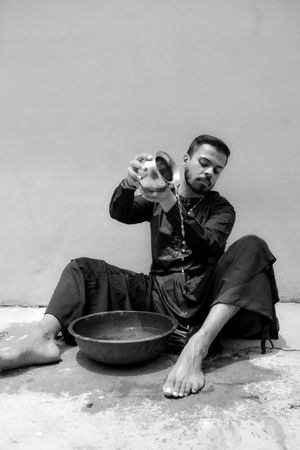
x,y
104,386
107,386
249,401
15,332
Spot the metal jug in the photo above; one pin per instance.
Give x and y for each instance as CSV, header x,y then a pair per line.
x,y
160,172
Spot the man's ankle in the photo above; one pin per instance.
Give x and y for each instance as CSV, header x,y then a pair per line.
x,y
200,340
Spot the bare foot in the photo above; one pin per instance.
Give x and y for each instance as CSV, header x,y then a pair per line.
x,y
37,348
186,377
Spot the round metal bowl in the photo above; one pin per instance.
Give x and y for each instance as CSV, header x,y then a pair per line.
x,y
122,337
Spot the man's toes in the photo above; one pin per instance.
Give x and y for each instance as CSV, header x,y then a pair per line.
x,y
188,389
169,387
196,387
174,392
173,388
167,390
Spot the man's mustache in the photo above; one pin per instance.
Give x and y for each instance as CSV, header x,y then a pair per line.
x,y
204,180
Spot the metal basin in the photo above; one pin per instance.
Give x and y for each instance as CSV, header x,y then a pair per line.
x,y
122,337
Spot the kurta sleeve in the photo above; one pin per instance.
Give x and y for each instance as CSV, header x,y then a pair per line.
x,y
127,207
213,228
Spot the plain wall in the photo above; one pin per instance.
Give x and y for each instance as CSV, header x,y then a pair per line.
x,y
88,84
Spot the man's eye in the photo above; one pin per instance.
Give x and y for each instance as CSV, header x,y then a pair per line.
x,y
203,163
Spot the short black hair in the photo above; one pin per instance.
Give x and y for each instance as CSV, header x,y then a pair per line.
x,y
219,145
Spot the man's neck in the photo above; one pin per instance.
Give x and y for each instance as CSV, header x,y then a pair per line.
x,y
185,191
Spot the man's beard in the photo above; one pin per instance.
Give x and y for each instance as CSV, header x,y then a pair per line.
x,y
200,188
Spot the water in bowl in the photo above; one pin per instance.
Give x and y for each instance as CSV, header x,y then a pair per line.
x,y
128,334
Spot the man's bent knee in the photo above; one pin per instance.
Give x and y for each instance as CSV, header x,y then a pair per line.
x,y
252,240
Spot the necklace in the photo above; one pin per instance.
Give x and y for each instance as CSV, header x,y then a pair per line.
x,y
196,204
184,245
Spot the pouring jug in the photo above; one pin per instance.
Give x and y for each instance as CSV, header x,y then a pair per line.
x,y
160,172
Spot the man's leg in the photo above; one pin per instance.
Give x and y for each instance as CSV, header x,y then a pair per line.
x,y
244,280
86,286
186,376
39,347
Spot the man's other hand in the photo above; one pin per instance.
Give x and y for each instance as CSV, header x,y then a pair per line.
x,y
165,197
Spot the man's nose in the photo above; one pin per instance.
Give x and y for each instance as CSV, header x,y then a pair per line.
x,y
208,172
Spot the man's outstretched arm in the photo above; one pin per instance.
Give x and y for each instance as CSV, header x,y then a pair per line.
x,y
125,206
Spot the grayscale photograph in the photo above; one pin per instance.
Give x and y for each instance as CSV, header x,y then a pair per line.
x,y
150,225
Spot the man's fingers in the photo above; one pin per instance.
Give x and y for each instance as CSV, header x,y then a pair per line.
x,y
143,157
151,196
135,164
133,174
136,169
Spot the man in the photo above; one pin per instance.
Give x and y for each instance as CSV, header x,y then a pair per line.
x,y
191,279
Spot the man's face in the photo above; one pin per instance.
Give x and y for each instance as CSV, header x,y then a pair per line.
x,y
202,170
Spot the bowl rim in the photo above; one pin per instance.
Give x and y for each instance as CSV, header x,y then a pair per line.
x,y
122,341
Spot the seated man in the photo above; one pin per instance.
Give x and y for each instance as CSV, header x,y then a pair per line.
x,y
192,279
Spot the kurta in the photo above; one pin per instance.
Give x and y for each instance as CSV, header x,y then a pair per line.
x,y
207,223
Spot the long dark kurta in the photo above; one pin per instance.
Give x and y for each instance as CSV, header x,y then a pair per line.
x,y
207,227
181,284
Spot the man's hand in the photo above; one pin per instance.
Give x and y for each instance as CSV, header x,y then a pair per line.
x,y
136,170
165,197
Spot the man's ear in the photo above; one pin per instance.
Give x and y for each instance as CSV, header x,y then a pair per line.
x,y
186,159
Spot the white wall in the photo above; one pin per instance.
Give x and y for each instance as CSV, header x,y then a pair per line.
x,y
87,84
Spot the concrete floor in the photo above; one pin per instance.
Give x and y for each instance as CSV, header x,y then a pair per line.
x,y
249,400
